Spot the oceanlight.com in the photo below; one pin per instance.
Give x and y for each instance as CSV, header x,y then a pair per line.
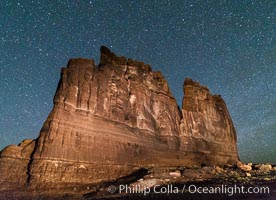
x,y
192,189
229,190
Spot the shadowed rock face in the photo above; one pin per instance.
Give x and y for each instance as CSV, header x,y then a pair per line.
x,y
110,119
14,160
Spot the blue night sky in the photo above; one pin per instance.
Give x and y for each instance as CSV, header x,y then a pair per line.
x,y
229,45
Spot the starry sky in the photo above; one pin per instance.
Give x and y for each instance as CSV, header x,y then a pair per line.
x,y
228,45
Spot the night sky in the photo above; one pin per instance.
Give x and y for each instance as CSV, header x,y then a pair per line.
x,y
230,46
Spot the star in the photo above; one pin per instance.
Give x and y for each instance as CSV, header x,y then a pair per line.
x,y
228,46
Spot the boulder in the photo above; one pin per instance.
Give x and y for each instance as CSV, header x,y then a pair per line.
x,y
244,167
176,173
265,167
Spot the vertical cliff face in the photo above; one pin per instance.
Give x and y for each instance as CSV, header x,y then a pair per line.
x,y
109,117
112,118
206,128
14,160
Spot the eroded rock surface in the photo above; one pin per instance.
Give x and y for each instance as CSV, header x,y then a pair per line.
x,y
14,160
207,131
111,119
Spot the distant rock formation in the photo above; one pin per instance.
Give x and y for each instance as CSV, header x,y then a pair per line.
x,y
111,119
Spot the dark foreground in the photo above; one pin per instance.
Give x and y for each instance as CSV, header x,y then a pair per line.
x,y
202,183
185,195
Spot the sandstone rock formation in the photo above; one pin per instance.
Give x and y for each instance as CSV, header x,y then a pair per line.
x,y
206,130
113,118
14,160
